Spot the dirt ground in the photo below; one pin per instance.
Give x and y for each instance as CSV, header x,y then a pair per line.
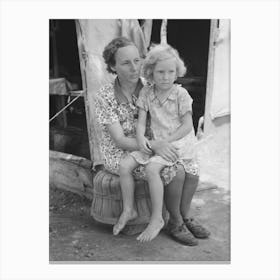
x,y
75,236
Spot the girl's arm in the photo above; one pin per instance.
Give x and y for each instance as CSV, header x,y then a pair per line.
x,y
183,130
122,142
164,149
141,123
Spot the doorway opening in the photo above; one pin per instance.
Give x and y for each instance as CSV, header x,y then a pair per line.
x,y
68,131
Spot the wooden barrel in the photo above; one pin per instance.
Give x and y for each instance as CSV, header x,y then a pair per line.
x,y
107,200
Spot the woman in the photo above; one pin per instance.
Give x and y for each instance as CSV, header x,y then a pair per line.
x,y
117,116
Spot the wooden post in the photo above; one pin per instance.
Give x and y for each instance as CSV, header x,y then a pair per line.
x,y
163,32
54,48
84,85
217,107
60,102
210,77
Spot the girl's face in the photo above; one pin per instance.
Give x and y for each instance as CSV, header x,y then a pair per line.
x,y
128,64
164,74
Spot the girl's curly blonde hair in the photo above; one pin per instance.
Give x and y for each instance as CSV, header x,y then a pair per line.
x,y
159,53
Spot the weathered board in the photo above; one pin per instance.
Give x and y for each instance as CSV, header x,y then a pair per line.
x,y
71,173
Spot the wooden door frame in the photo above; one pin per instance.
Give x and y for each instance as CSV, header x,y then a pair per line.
x,y
210,75
82,59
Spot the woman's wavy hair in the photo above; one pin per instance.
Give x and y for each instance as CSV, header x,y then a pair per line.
x,y
111,49
159,53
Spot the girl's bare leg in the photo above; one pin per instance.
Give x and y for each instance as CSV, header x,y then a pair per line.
x,y
127,165
156,193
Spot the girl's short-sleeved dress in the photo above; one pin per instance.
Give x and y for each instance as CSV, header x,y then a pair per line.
x,y
165,120
112,106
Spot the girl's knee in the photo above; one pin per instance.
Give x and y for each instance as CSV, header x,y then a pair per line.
x,y
127,165
152,170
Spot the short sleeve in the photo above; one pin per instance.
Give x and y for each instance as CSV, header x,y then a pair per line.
x,y
104,109
184,101
142,101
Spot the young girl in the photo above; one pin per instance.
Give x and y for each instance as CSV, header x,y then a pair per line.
x,y
170,108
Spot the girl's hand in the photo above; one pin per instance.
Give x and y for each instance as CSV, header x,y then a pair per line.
x,y
144,145
165,150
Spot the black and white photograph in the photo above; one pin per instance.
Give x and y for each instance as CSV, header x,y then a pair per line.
x,y
139,140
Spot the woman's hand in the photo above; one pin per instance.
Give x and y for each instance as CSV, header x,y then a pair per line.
x,y
144,145
122,142
165,150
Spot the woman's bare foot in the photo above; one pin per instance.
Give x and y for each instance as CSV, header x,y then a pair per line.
x,y
125,216
152,230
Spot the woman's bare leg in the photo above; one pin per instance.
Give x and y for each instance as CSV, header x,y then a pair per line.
x,y
173,195
173,199
189,188
127,165
156,193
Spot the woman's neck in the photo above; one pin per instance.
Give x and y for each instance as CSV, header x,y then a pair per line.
x,y
127,88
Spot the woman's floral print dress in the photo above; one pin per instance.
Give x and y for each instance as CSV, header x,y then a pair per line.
x,y
112,106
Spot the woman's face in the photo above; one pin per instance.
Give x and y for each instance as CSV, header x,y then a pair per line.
x,y
128,64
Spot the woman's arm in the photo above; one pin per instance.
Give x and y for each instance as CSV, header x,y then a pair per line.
x,y
183,130
106,115
143,142
122,142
